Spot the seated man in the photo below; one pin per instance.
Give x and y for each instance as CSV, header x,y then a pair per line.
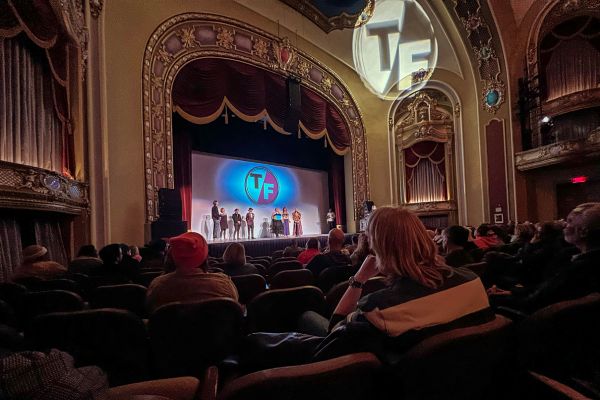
x,y
190,281
579,278
454,240
334,257
293,250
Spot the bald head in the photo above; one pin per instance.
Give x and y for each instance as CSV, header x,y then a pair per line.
x,y
583,226
335,239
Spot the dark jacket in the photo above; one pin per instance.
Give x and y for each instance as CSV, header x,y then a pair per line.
x,y
215,212
237,218
326,260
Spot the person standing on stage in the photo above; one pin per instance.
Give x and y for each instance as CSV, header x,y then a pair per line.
x,y
286,221
223,217
237,223
216,219
331,219
276,223
297,218
250,222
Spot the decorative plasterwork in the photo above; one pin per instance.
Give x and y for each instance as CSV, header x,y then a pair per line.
x,y
72,15
572,102
559,152
96,7
191,36
485,50
25,187
441,207
328,24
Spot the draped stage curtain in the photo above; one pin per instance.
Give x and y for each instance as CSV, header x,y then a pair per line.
x,y
336,188
425,170
48,233
35,124
570,56
205,88
10,246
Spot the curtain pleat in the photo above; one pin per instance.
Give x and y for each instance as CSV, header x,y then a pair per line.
x,y
425,170
10,247
48,233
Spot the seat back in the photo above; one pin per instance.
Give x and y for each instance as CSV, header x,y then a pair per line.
x,y
293,278
350,377
331,276
279,266
278,310
146,278
129,297
249,286
108,280
188,337
478,268
563,339
276,254
114,340
58,284
12,294
463,361
36,303
334,295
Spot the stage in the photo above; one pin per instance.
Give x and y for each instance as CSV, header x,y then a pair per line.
x,y
266,246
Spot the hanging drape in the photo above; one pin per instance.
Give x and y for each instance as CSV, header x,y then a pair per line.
x,y
31,132
205,87
10,246
36,23
336,188
182,159
570,57
425,171
48,233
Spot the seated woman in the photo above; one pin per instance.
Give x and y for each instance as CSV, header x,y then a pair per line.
x,y
423,297
235,261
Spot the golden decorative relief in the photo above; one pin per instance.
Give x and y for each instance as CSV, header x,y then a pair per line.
x,y
557,153
187,37
285,60
225,38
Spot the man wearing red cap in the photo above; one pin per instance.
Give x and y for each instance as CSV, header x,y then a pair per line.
x,y
190,281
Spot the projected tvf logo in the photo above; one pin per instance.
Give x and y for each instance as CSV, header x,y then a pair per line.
x,y
396,50
261,185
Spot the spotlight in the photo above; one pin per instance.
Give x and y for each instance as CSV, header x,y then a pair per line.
x,y
546,119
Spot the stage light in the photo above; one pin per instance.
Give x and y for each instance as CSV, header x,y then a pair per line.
x,y
546,119
579,179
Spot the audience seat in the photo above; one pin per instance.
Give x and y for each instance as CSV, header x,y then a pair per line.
x,y
562,341
114,340
350,377
36,303
331,276
278,310
276,254
7,314
478,268
186,338
68,285
84,282
334,295
13,293
279,266
249,286
293,278
108,280
147,277
465,363
10,340
129,297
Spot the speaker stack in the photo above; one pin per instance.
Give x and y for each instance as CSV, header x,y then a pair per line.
x,y
170,222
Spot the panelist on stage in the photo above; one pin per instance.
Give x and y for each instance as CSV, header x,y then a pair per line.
x,y
237,223
250,222
224,224
276,222
297,218
216,219
286,221
331,219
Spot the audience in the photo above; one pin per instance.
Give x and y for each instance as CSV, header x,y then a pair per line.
x,y
86,261
361,252
129,266
312,249
454,240
111,256
135,253
190,281
235,263
579,277
334,257
293,250
36,264
485,237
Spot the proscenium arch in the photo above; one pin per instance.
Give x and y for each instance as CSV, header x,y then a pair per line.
x,y
190,36
459,165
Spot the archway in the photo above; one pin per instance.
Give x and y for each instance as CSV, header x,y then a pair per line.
x,y
187,37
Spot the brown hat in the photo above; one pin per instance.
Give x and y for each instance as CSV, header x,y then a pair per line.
x,y
188,250
33,252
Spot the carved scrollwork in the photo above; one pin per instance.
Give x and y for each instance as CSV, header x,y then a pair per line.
x,y
559,152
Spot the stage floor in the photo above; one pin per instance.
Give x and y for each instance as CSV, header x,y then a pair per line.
x,y
265,246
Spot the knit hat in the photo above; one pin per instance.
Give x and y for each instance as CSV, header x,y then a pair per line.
x,y
188,250
33,252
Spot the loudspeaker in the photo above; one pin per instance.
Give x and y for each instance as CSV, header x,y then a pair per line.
x,y
294,105
169,204
166,229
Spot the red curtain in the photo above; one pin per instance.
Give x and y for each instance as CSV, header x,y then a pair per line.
x,y
205,86
336,188
182,162
430,155
36,19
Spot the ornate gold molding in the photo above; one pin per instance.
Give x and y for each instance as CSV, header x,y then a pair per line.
x,y
26,187
559,152
328,24
96,7
191,36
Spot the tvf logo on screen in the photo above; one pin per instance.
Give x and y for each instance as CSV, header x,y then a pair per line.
x,y
394,46
261,185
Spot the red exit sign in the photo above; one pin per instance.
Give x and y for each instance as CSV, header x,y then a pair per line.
x,y
579,179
